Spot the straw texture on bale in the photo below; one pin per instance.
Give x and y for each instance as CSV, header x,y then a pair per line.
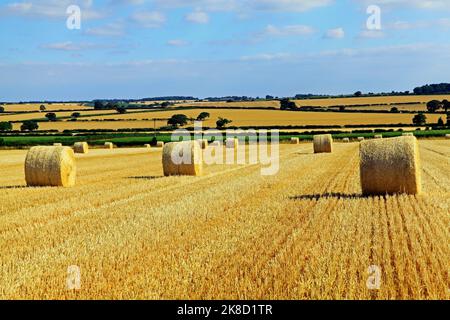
x,y
346,140
408,134
50,166
360,138
57,144
378,136
160,144
192,167
390,166
232,143
81,147
323,143
109,145
295,140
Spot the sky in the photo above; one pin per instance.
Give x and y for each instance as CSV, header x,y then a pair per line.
x,y
145,48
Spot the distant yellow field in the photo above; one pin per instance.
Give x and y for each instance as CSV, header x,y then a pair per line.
x,y
41,115
282,118
49,107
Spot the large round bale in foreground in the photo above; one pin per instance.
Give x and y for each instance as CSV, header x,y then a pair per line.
x,y
81,147
323,143
109,145
182,159
390,166
50,166
295,140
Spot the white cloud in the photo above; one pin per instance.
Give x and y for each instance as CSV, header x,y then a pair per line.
x,y
198,16
337,33
50,9
293,30
418,4
177,43
149,19
70,46
115,29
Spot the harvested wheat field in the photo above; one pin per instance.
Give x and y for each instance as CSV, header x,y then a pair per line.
x,y
305,233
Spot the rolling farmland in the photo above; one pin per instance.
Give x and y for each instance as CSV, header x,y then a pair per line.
x,y
305,233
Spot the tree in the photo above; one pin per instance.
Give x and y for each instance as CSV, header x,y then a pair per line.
x,y
440,123
165,104
75,115
222,122
178,120
99,105
268,97
420,119
6,126
342,108
203,116
121,110
287,104
2,109
433,105
42,108
358,94
394,110
51,116
29,125
445,105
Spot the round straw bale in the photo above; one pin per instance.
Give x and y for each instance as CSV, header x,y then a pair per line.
x,y
295,140
323,143
50,166
147,145
188,159
109,145
360,138
232,143
57,145
390,166
378,136
81,147
160,144
346,140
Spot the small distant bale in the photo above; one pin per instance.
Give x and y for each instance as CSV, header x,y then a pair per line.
x,y
390,166
147,145
360,138
109,145
295,140
323,143
408,134
182,159
346,140
81,147
50,167
160,144
57,145
231,143
378,136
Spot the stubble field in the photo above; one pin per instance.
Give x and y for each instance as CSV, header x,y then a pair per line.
x,y
305,233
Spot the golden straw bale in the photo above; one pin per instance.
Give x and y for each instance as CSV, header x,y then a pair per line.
x,y
109,145
390,166
57,145
50,166
295,140
346,140
81,147
378,136
323,143
182,159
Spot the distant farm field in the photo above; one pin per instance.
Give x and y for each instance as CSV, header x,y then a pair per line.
x,y
305,233
48,107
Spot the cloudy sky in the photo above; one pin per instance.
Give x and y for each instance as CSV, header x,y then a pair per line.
x,y
144,48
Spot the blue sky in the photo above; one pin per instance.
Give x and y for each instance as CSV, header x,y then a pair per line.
x,y
144,48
